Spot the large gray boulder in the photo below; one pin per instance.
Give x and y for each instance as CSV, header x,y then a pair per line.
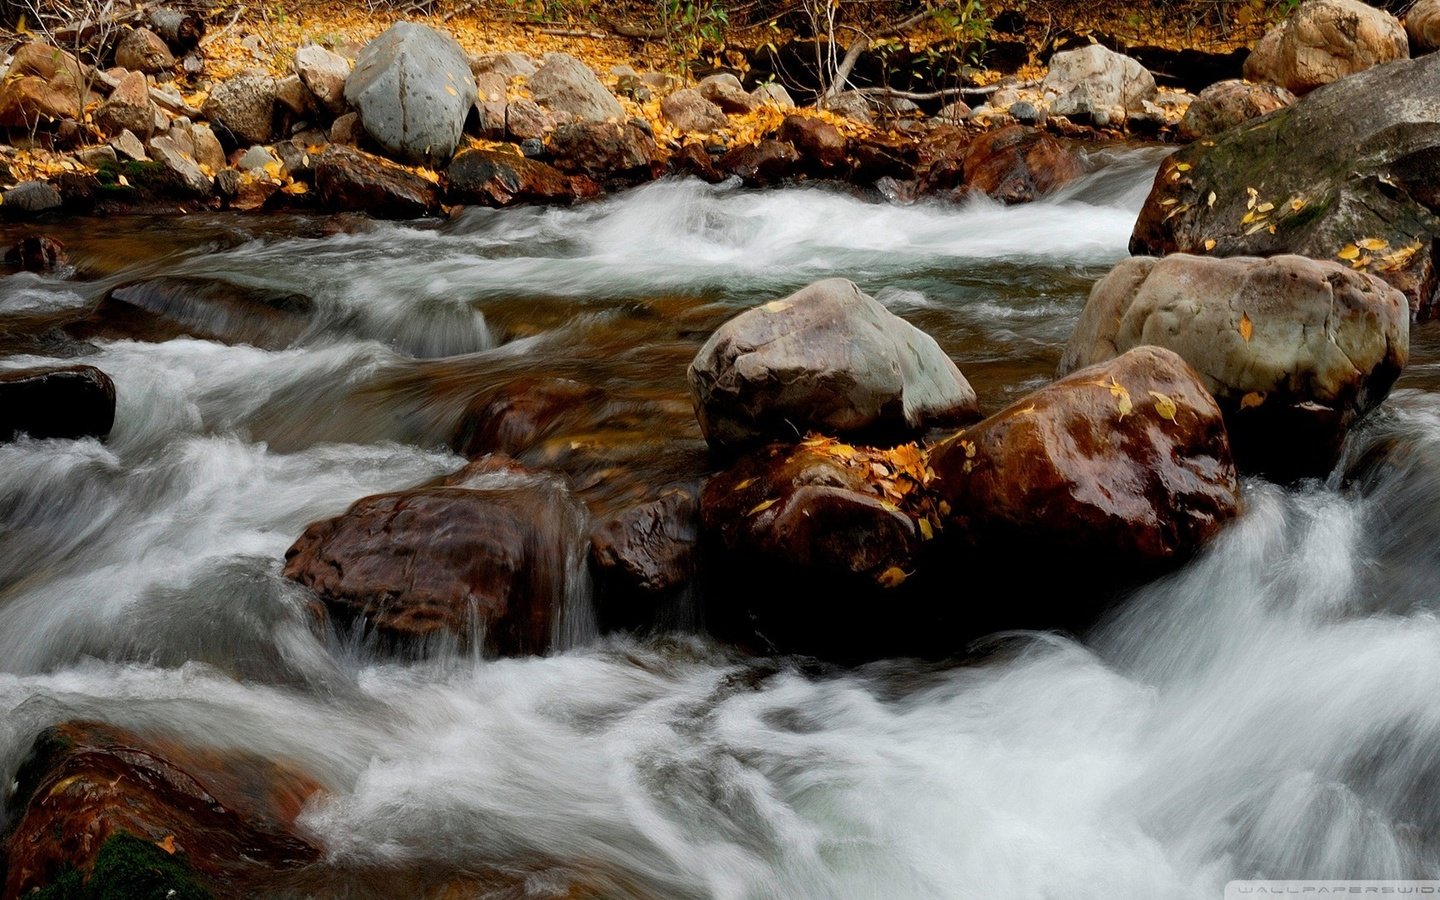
x,y
1324,41
827,358
564,84
1098,83
413,88
1294,350
1350,172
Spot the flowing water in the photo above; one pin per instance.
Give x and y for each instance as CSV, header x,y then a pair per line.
x,y
1271,710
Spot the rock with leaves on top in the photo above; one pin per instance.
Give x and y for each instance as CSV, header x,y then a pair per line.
x,y
1294,350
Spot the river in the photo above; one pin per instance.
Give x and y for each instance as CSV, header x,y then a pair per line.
x,y
1270,710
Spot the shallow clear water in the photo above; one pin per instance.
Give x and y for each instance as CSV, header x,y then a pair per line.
x,y
1270,710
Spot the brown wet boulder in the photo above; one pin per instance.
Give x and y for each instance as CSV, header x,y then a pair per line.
x,y
492,178
1226,104
1016,164
487,565
1294,350
1323,41
353,180
227,815
169,306
760,165
128,108
827,358
1121,468
66,402
646,551
802,544
1351,172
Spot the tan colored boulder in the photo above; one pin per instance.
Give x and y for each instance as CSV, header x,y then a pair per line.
x,y
1422,26
128,108
43,83
1226,104
142,50
324,73
692,113
1324,41
1294,350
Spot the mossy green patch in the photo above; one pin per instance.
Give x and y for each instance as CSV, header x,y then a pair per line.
x,y
128,868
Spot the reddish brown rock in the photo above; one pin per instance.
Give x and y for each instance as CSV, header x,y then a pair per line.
x,y
228,815
491,178
514,417
820,144
649,549
605,151
353,180
1123,466
758,165
447,566
692,159
1016,164
142,50
128,108
1227,104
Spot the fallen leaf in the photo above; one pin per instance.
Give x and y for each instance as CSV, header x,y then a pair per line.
x,y
1247,328
1372,244
1164,406
1209,243
1251,399
1349,251
1122,397
1210,201
762,506
926,530
892,577
1182,167
168,845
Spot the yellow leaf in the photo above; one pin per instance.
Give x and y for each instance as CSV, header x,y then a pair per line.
x,y
743,485
761,507
1251,399
273,169
168,845
1349,251
451,91
892,577
1247,328
1164,406
1210,200
1372,244
1264,207
1254,228
1297,204
1182,167
1247,218
296,187
926,530
1122,397
1209,243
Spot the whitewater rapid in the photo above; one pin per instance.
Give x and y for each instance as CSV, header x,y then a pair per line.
x,y
1268,711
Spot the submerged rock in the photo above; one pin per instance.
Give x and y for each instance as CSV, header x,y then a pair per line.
x,y
1323,41
514,417
1294,350
827,358
163,308
413,88
648,549
1120,468
37,253
225,815
1349,172
64,402
489,566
